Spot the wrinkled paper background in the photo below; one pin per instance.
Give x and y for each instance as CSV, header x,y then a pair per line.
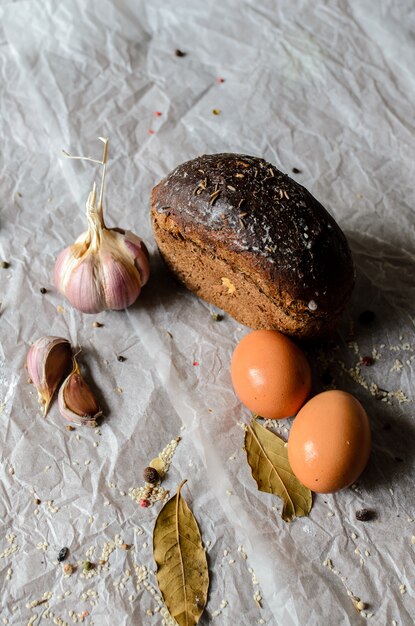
x,y
328,89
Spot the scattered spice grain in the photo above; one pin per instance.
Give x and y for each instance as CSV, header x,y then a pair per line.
x,y
365,515
151,475
217,317
367,361
180,53
43,290
63,553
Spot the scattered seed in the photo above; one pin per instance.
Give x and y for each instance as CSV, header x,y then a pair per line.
x,y
43,290
151,475
144,503
220,80
365,515
97,325
367,317
295,170
69,427
29,381
36,501
63,553
87,566
4,265
216,111
217,317
121,359
180,53
125,546
158,113
151,131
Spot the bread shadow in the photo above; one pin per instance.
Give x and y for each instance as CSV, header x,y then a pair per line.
x,y
384,287
162,289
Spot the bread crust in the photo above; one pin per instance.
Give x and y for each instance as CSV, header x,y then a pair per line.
x,y
246,237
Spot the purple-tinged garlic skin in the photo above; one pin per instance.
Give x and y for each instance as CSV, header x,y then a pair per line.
x,y
77,403
48,360
104,269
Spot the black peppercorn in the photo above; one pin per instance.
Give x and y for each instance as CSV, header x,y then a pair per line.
x,y
62,554
296,170
364,515
43,290
217,317
151,475
180,53
121,359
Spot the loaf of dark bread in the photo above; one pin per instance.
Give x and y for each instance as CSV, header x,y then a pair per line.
x,y
250,240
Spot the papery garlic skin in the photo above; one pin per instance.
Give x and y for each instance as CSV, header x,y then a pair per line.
x,y
77,403
48,360
104,269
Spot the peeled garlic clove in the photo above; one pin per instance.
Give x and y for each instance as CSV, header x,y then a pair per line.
x,y
77,403
48,360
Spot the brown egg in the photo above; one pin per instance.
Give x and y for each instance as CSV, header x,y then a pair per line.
x,y
329,442
270,374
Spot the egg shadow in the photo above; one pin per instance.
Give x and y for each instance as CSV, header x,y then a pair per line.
x,y
385,287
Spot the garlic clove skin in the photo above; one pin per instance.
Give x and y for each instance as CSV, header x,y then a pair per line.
x,y
77,403
139,252
48,360
76,278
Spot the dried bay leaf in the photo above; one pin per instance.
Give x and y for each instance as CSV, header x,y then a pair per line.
x,y
182,570
268,459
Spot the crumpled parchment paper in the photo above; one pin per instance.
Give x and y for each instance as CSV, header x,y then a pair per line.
x,y
325,88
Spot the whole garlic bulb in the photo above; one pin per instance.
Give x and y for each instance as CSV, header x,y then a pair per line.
x,y
106,267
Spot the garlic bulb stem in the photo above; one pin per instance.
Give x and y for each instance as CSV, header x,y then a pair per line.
x,y
103,162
